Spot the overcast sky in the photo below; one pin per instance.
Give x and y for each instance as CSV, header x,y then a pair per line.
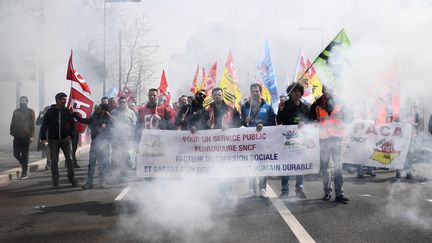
x,y
195,32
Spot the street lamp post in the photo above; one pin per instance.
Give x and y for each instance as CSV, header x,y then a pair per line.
x,y
104,34
120,61
104,61
320,29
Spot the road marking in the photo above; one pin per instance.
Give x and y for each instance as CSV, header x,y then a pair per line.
x,y
366,195
295,226
429,200
123,193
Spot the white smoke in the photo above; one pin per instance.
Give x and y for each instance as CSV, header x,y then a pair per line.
x,y
407,202
181,209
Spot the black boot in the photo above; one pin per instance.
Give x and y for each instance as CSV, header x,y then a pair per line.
x,y
55,183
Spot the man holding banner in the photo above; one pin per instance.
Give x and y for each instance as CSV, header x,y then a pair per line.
x,y
154,115
221,115
257,113
194,116
293,112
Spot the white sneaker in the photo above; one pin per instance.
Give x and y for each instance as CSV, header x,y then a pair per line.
x,y
23,177
263,193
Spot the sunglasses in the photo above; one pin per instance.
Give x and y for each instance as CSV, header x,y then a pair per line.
x,y
202,94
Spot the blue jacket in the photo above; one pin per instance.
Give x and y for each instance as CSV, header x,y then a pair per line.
x,y
265,115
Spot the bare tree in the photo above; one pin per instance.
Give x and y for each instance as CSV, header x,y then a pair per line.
x,y
138,61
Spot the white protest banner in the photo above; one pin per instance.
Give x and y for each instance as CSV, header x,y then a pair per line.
x,y
238,152
378,145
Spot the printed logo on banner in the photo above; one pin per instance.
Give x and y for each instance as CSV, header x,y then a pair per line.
x,y
152,146
384,152
292,141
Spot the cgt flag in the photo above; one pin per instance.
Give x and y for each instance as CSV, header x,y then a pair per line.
x,y
79,103
208,83
194,86
166,96
314,83
73,75
230,84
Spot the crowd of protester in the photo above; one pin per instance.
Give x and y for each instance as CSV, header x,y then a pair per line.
x,y
116,125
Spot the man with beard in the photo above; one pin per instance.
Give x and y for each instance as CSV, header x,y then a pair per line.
x,y
155,115
22,129
59,123
221,115
193,116
257,113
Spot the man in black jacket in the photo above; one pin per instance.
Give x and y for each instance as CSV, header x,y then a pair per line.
x,y
22,129
221,115
293,112
100,144
59,122
194,116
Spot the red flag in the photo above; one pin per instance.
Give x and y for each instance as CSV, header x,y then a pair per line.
x,y
82,105
73,75
210,80
163,86
127,93
194,87
204,76
166,96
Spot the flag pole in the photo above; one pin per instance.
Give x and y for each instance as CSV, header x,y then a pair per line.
x,y
157,103
68,68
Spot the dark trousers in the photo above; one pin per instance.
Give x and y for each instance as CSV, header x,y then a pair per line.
x,y
21,152
99,151
75,140
65,146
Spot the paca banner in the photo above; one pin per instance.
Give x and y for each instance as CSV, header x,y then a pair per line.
x,y
378,145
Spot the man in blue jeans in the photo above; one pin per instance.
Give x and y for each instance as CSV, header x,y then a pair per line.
x,y
257,113
100,144
293,112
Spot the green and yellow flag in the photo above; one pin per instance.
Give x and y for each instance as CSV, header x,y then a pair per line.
x,y
332,60
230,84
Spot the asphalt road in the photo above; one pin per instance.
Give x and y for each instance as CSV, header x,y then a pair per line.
x,y
381,209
